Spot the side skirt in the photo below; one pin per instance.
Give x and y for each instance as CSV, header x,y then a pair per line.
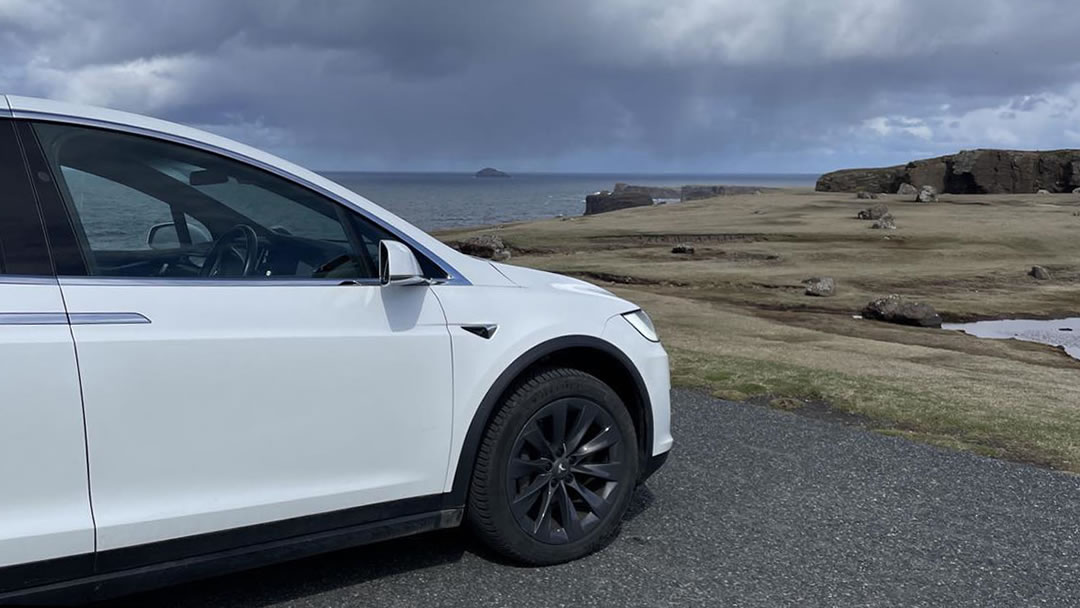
x,y
170,572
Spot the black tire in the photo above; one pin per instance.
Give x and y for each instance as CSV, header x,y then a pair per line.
x,y
585,489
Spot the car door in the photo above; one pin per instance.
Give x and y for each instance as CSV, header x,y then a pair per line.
x,y
240,363
46,529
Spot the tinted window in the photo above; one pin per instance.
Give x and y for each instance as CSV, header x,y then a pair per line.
x,y
144,207
23,248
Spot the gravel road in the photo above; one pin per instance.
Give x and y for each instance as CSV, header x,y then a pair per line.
x,y
756,507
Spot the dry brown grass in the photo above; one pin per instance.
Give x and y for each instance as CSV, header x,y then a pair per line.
x,y
736,321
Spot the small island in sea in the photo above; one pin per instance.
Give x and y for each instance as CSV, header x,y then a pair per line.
x,y
490,172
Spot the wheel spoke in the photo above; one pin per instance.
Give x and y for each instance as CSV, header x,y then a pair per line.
x,y
597,505
607,438
527,498
570,520
542,527
608,471
520,467
584,421
535,437
558,425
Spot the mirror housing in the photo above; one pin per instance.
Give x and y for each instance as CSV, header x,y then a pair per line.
x,y
398,265
165,236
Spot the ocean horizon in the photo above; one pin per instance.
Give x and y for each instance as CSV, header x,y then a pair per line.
x,y
434,200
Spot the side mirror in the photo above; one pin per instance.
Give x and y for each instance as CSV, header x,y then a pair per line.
x,y
165,236
398,265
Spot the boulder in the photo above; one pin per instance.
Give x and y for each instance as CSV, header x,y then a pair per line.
x,y
684,248
867,195
603,202
1076,190
1039,273
873,213
1043,191
926,195
820,286
885,222
984,171
907,189
489,246
898,309
489,172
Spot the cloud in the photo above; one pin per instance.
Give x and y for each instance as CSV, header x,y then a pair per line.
x,y
680,85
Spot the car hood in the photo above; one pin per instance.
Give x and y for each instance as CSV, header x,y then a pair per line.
x,y
539,279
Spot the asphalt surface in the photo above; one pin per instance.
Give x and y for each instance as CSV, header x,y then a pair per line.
x,y
756,507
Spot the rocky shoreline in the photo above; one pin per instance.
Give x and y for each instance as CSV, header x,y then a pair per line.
x,y
626,196
983,171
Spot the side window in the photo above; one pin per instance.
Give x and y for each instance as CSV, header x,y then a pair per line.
x,y
148,208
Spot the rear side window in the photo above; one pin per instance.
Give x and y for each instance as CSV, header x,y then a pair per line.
x,y
23,248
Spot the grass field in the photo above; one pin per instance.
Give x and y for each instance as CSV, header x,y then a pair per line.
x,y
736,321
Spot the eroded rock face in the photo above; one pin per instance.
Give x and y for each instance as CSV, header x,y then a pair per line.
x,y
603,202
981,171
873,213
822,287
489,246
901,310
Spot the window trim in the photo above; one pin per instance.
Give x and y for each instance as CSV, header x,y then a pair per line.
x,y
453,277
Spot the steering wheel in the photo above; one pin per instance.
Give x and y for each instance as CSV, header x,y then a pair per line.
x,y
223,247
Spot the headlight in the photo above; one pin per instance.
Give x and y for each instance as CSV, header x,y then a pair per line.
x,y
643,324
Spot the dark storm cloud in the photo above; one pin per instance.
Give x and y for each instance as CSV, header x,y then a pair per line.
x,y
677,85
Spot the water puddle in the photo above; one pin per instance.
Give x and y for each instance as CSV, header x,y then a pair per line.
x,y
1059,332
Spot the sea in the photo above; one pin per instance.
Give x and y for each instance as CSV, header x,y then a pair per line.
x,y
447,200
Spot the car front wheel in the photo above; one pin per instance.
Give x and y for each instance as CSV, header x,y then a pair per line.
x,y
556,469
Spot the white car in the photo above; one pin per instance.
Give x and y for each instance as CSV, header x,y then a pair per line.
x,y
212,359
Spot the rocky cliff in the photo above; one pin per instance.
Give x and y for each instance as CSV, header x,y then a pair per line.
x,y
968,172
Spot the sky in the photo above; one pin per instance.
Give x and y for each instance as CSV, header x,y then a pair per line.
x,y
675,86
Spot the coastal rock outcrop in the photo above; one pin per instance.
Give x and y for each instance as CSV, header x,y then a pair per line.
x,y
603,202
926,195
698,192
653,191
489,246
898,309
490,172
983,171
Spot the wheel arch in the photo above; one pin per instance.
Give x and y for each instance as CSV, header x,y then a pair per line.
x,y
587,353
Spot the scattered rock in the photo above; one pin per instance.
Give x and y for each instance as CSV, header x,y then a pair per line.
x,y
1043,191
927,195
900,310
489,172
489,246
820,286
1039,273
603,202
906,189
968,172
867,195
873,213
683,248
885,222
